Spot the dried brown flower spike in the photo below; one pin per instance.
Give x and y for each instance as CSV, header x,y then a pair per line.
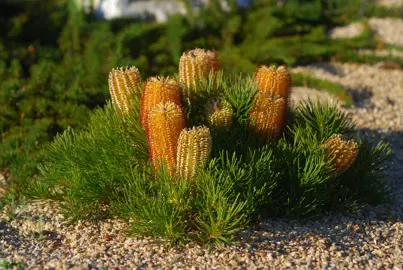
x,y
342,152
124,87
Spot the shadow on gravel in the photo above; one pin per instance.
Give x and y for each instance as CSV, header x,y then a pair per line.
x,y
11,237
329,68
360,97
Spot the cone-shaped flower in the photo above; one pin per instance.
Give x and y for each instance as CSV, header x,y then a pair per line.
x,y
124,87
219,113
342,152
276,82
165,123
268,116
194,147
194,66
158,90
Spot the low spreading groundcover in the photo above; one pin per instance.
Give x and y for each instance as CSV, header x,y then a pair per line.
x,y
201,156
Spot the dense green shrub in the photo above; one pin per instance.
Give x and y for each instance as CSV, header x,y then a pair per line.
x,y
104,171
54,59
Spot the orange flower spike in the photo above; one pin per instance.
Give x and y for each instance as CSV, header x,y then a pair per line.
x,y
276,82
343,153
123,87
268,116
165,123
158,90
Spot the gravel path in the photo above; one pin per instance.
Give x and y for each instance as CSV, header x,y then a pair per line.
x,y
365,240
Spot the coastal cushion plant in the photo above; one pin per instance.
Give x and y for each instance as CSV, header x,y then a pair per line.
x,y
200,155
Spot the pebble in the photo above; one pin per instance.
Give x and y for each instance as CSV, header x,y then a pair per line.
x,y
351,30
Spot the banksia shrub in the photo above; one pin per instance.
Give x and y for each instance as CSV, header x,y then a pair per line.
x,y
219,113
276,82
194,147
158,90
268,116
194,66
124,87
244,181
165,123
342,152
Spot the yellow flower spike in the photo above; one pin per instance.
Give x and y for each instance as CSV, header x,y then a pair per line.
x,y
165,123
194,148
276,82
123,87
158,90
343,153
219,113
268,116
196,65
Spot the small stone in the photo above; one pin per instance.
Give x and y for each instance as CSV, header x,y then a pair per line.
x,y
379,253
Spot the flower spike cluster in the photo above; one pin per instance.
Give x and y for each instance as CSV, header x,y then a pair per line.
x,y
342,152
184,150
123,87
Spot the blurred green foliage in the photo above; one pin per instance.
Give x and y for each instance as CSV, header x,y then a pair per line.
x,y
54,60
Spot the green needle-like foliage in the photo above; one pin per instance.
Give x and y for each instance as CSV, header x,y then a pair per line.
x,y
105,171
324,120
84,169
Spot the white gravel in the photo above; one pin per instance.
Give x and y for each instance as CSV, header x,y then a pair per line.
x,y
390,3
38,240
351,30
390,30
